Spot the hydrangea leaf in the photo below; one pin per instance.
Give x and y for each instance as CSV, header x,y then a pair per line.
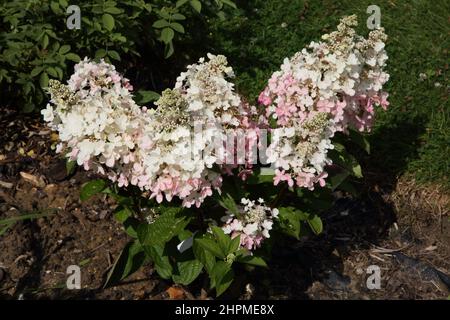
x,y
91,188
130,259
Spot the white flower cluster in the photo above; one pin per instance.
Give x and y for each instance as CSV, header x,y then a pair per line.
x,y
208,94
178,161
169,151
334,83
96,117
252,224
300,151
171,160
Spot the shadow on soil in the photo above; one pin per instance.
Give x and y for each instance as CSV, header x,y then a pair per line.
x,y
352,223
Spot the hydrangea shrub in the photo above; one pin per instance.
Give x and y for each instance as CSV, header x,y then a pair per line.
x,y
204,180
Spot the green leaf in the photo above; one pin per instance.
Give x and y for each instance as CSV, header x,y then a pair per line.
x,y
53,35
164,13
45,41
64,49
223,240
229,3
160,259
222,276
122,214
108,21
110,3
123,201
146,96
168,50
52,72
257,178
252,260
180,3
59,71
43,80
197,5
100,53
73,57
131,225
70,166
289,221
204,255
184,234
55,7
148,7
357,172
91,188
36,71
113,10
338,147
226,201
178,16
211,246
177,27
343,159
166,226
234,244
316,224
114,55
167,35
187,271
27,87
129,261
162,23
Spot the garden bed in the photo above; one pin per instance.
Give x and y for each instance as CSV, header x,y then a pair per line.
x,y
380,205
403,229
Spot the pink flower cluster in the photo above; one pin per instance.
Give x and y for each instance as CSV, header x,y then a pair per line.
x,y
90,78
252,223
325,88
96,118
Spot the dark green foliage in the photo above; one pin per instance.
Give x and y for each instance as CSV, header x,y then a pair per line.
x,y
36,44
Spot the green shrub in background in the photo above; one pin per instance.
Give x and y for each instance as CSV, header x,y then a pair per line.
x,y
35,43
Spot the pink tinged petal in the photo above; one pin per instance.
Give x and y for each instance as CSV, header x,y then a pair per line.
x,y
384,101
59,148
73,154
290,182
100,170
110,162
